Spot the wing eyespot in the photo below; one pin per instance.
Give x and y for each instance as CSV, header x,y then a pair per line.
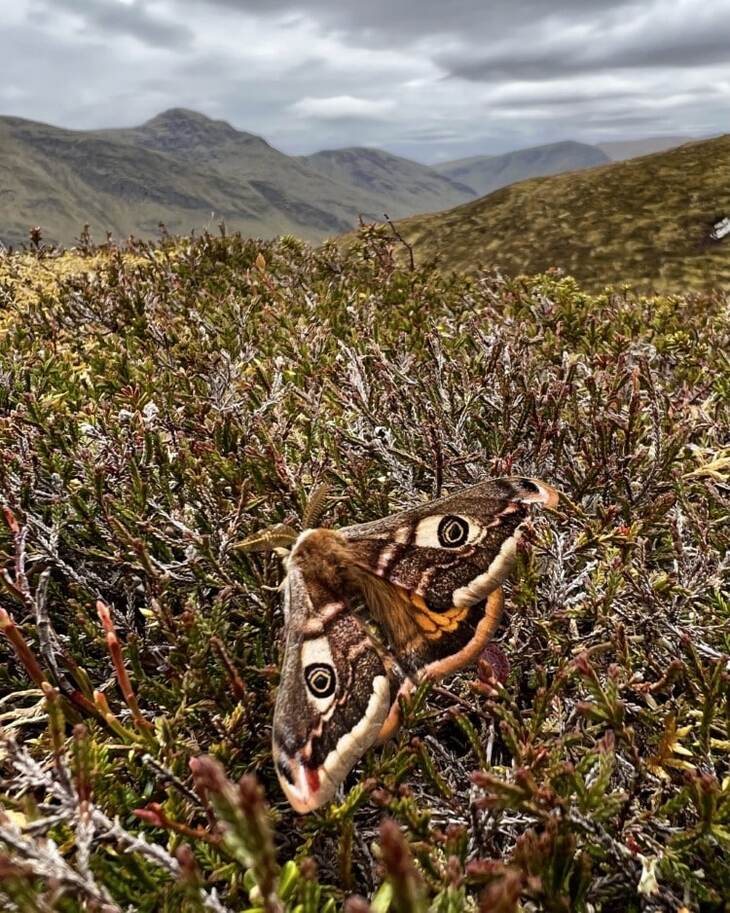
x,y
452,531
320,680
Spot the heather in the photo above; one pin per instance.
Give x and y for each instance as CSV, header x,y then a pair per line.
x,y
161,402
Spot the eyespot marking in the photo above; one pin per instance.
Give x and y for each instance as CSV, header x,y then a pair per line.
x,y
452,531
320,679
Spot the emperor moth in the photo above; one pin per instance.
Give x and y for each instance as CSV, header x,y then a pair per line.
x,y
431,578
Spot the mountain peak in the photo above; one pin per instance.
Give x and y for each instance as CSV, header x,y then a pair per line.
x,y
186,121
182,116
181,129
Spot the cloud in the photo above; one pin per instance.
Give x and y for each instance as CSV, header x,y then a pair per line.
x,y
339,107
418,77
400,22
661,35
122,17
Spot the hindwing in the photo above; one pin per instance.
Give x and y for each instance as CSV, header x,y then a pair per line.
x,y
334,695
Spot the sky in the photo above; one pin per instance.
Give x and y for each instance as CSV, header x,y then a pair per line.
x,y
429,79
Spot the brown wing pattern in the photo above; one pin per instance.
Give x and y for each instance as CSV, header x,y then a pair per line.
x,y
427,574
334,694
431,577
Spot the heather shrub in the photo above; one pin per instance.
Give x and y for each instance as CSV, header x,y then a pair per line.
x,y
161,402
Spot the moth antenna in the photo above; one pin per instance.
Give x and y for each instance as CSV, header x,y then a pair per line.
x,y
316,505
271,539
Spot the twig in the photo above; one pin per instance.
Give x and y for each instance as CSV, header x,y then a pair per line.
x,y
399,236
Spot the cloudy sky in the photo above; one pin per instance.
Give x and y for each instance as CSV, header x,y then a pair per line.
x,y
430,79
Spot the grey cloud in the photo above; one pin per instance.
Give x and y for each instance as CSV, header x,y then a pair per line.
x,y
699,39
399,21
571,100
646,122
101,16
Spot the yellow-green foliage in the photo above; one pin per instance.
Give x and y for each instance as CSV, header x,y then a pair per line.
x,y
161,403
29,279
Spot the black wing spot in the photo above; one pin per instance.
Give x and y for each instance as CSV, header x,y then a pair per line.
x,y
321,679
452,531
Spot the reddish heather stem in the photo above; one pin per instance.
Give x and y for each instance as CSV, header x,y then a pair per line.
x,y
115,651
154,814
10,521
22,650
239,689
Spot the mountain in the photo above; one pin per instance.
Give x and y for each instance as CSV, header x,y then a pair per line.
x,y
487,173
398,183
61,179
189,172
645,221
313,203
628,149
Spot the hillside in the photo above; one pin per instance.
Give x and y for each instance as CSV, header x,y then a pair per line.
x,y
487,173
300,193
161,402
627,149
398,182
189,172
645,221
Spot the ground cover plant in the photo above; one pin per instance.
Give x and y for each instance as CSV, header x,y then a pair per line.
x,y
162,402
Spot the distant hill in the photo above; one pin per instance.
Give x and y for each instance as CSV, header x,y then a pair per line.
x,y
486,173
398,182
646,221
628,149
190,172
61,179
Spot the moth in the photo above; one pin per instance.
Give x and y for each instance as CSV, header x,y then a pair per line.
x,y
431,579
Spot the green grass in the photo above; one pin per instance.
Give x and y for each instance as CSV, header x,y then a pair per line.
x,y
159,404
645,222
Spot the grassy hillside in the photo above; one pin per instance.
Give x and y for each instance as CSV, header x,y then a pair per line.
x,y
190,172
644,221
160,403
486,173
399,183
302,194
62,179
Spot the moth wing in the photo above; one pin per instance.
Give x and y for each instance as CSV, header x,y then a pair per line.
x,y
333,697
432,575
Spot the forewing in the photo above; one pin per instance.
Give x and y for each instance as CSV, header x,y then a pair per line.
x,y
334,694
432,574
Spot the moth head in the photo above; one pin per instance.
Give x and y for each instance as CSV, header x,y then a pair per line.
x,y
332,701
